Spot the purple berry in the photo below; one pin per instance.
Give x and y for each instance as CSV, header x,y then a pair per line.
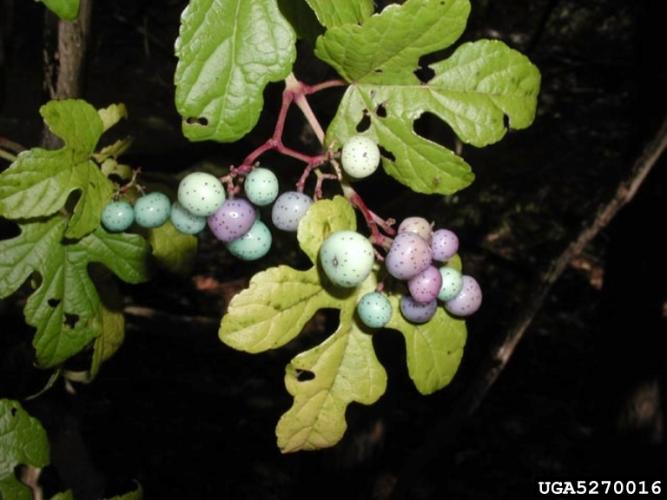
x,y
425,286
232,220
468,300
417,225
289,209
415,312
444,244
408,256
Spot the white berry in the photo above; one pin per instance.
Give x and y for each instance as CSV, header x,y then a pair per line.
x,y
347,258
360,156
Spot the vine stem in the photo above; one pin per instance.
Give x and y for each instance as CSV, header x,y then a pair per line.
x,y
6,155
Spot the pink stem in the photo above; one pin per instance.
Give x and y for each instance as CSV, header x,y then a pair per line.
x,y
312,89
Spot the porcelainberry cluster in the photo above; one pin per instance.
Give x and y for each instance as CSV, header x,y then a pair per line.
x,y
202,202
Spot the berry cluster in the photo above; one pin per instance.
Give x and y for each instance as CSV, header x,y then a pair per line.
x,y
202,201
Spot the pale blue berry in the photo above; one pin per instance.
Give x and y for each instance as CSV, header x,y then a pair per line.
x,y
117,216
289,209
347,258
201,193
261,186
253,245
185,221
152,210
452,282
374,310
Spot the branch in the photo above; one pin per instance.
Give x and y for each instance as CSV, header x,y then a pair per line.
x,y
446,430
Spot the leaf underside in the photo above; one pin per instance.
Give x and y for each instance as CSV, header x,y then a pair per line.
x,y
344,368
474,91
228,51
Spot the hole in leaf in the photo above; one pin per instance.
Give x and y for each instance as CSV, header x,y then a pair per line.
x,y
365,123
13,411
381,111
71,320
202,120
424,73
53,302
387,154
378,70
433,128
304,375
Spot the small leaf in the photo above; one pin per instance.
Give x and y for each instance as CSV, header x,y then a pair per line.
x,y
40,181
228,51
340,12
172,249
23,441
345,370
64,9
273,309
111,337
322,219
65,495
434,349
111,115
472,91
65,307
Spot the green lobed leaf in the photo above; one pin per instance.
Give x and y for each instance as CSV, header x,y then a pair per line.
x,y
434,349
473,91
65,307
64,9
173,250
40,181
322,219
339,12
23,441
111,115
345,370
228,51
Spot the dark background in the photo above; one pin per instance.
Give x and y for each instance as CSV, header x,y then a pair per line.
x,y
582,396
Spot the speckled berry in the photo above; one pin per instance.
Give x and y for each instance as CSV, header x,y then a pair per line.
x,y
289,209
452,282
201,193
347,258
416,312
184,221
232,220
261,186
253,245
360,156
374,310
468,299
417,225
117,216
444,244
408,256
425,286
152,210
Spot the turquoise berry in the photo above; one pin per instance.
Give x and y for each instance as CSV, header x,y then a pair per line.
x,y
152,210
201,193
261,186
186,222
253,245
347,258
117,216
452,282
374,310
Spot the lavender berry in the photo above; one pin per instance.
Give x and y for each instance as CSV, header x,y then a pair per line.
x,y
425,286
232,220
444,244
408,256
415,312
468,299
289,209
